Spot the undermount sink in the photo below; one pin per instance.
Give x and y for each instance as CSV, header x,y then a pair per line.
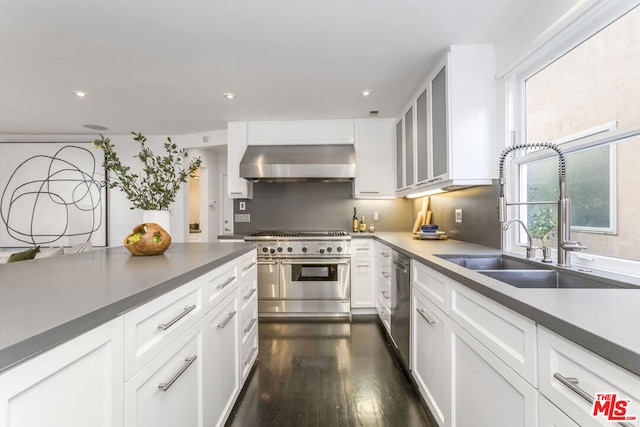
x,y
531,274
491,262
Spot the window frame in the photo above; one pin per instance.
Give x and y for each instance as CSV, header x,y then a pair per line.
x,y
580,24
570,144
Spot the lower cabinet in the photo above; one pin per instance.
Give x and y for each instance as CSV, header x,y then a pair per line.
x,y
484,390
76,384
550,416
429,355
167,391
222,360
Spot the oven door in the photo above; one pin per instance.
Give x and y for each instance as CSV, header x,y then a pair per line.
x,y
268,278
315,278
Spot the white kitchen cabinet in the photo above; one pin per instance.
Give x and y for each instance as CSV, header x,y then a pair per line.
x,y
363,287
463,348
152,326
484,390
383,283
550,416
295,132
222,360
568,370
169,390
78,383
237,140
429,355
399,151
374,145
509,335
449,126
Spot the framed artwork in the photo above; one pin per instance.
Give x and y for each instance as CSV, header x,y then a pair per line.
x,y
50,195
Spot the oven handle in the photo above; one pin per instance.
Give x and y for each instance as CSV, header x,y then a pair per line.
x,y
267,262
315,262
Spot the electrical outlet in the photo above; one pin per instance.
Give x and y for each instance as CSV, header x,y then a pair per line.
x,y
243,206
376,216
458,215
242,217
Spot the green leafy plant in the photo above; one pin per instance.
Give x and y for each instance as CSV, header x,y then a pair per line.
x,y
155,188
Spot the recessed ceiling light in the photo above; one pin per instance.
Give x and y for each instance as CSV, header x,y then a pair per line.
x,y
229,95
80,93
366,92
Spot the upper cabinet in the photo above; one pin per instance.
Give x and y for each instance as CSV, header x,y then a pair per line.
x,y
449,128
301,132
374,146
237,188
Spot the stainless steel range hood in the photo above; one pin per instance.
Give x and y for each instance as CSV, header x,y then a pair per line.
x,y
295,163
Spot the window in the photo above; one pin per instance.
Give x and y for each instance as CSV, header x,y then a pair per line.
x,y
567,102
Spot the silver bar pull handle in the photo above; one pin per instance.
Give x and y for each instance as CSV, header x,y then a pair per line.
x,y
400,266
424,316
227,319
316,262
572,384
385,275
251,292
253,322
253,351
249,267
225,284
385,254
189,360
385,294
187,310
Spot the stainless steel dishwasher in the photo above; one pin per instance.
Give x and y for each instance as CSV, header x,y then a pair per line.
x,y
401,304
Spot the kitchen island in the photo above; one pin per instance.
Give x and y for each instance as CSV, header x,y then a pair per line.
x,y
48,301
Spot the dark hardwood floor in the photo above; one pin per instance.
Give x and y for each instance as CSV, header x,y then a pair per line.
x,y
315,373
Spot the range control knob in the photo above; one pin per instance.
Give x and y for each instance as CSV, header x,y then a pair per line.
x,y
339,249
321,250
304,249
272,251
279,249
329,249
265,249
289,249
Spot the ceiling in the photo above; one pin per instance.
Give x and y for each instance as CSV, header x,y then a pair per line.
x,y
161,66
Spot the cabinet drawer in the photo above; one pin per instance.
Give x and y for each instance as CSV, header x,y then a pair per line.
x,y
550,416
219,283
383,253
149,329
249,322
247,264
507,334
168,391
431,283
567,370
249,352
248,293
362,247
384,313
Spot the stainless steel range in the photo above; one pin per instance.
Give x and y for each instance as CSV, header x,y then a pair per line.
x,y
303,273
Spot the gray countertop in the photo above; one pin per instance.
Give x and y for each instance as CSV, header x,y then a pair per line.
x,y
601,320
48,301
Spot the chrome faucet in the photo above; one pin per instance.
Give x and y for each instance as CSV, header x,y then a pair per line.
x,y
565,244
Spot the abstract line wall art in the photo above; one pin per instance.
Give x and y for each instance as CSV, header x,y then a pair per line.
x,y
51,195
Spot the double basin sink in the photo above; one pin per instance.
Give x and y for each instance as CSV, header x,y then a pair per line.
x,y
532,274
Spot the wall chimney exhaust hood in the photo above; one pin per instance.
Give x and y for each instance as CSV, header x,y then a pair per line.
x,y
299,163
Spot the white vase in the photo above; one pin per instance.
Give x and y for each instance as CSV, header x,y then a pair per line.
x,y
162,218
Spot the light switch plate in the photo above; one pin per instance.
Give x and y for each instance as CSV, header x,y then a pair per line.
x,y
458,215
